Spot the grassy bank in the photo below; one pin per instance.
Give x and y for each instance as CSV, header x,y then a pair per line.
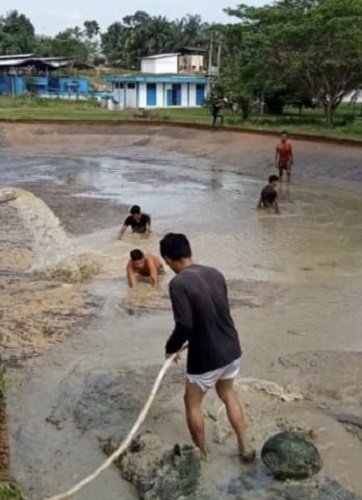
x,y
348,121
9,489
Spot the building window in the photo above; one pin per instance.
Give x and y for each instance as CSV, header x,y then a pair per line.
x,y
118,85
131,85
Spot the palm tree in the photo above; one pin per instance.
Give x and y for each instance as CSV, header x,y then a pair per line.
x,y
157,34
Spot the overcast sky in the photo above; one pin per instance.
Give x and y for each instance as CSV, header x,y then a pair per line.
x,y
50,17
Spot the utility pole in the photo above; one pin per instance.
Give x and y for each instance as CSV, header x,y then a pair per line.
x,y
211,49
219,49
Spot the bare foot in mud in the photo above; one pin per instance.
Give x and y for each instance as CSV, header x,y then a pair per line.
x,y
202,456
247,456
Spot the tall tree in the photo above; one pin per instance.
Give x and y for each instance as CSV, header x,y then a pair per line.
x,y
91,38
315,43
17,34
91,29
139,35
69,43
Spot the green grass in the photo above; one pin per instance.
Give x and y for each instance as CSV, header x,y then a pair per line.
x,y
9,490
311,122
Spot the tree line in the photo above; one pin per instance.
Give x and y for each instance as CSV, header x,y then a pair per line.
x,y
304,52
122,44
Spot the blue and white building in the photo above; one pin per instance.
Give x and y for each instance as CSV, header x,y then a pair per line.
x,y
158,91
43,72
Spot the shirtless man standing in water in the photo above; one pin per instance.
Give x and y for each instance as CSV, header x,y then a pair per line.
x,y
284,157
144,265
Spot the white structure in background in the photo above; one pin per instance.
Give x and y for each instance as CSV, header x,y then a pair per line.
x,y
188,60
157,91
354,96
160,64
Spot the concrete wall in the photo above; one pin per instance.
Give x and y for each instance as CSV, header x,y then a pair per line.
x,y
191,63
160,65
184,95
192,95
148,65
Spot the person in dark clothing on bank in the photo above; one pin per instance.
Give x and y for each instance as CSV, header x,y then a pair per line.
x,y
217,108
269,195
139,223
202,318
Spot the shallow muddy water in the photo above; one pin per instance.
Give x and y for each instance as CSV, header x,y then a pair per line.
x,y
295,287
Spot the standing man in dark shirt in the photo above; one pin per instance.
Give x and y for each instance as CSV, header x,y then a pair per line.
x,y
202,318
269,195
139,222
217,109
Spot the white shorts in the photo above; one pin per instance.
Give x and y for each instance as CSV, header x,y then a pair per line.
x,y
207,380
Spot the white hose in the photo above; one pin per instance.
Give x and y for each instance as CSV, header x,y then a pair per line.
x,y
124,445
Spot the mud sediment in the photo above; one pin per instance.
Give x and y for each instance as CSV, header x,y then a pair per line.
x,y
247,153
282,275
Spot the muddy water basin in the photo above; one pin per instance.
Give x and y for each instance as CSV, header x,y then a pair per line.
x,y
294,284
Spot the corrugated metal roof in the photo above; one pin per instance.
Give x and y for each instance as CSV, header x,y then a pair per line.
x,y
48,62
155,79
193,49
160,56
16,56
13,62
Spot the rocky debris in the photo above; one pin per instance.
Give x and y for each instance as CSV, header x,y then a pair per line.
x,y
290,455
108,406
352,424
157,472
324,489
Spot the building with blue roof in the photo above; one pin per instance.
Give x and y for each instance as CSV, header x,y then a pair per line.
x,y
158,91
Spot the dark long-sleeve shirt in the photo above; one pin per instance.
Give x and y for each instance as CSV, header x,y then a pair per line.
x,y
202,317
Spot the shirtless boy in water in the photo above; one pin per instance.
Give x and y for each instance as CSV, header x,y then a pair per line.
x,y
144,265
284,157
269,195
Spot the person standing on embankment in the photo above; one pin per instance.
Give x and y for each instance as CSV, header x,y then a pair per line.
x,y
202,318
217,110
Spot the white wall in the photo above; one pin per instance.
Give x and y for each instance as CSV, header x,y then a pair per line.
x,y
147,65
160,65
130,98
192,95
159,93
142,95
184,95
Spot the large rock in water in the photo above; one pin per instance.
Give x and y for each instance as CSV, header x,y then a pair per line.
x,y
290,455
159,473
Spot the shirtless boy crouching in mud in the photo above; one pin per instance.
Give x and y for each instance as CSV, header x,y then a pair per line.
x,y
269,195
144,265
